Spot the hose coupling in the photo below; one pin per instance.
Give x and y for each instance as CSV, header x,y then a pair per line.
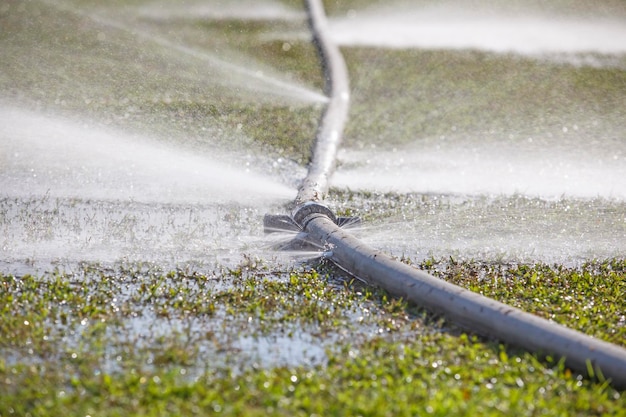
x,y
300,216
301,213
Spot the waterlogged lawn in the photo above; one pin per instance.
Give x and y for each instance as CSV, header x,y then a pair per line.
x,y
133,340
264,338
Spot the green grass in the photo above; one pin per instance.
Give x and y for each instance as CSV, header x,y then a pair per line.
x,y
68,345
589,299
403,96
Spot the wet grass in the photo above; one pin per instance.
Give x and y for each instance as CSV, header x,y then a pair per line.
x,y
292,136
262,338
589,299
271,42
400,96
341,8
135,340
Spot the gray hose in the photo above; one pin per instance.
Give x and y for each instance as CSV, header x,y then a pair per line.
x,y
473,311
315,186
466,308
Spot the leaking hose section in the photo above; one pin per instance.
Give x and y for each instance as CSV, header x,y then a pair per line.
x,y
315,186
466,308
470,310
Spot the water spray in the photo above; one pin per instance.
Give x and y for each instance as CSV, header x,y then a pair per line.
x,y
316,224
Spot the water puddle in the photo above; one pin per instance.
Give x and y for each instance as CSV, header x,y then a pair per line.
x,y
218,346
278,350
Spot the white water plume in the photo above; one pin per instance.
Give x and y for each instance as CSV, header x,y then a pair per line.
x,y
45,155
241,75
232,74
546,172
230,9
454,25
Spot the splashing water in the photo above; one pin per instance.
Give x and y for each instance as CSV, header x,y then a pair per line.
x,y
494,203
62,158
41,234
496,229
256,80
72,191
